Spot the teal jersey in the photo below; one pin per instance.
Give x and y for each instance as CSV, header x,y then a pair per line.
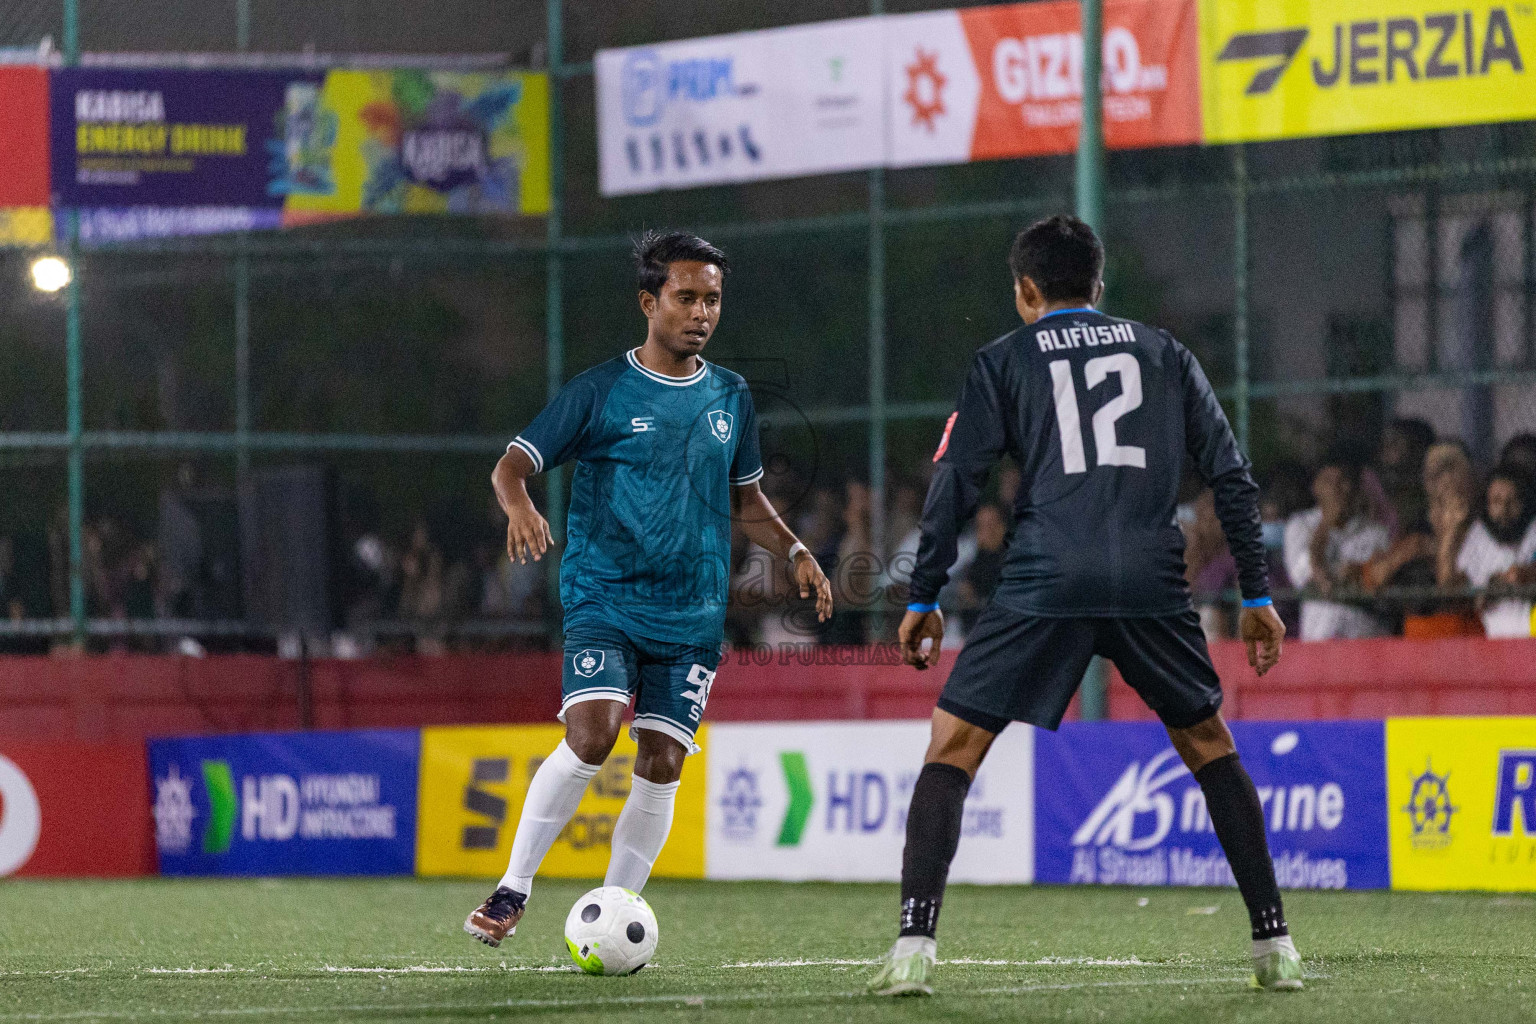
x,y
648,530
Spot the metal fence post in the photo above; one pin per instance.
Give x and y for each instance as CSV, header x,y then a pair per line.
x,y
1093,704
74,377
554,269
1241,385
877,410
1090,132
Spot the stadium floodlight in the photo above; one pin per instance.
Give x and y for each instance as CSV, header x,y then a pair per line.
x,y
49,273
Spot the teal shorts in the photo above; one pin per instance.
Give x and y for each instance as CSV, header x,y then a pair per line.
x,y
669,682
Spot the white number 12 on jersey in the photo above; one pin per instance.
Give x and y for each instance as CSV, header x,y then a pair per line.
x,y
1095,372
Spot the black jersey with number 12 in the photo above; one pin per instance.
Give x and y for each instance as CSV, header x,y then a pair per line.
x,y
1099,413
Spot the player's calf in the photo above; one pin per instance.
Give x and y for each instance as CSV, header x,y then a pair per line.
x,y
497,917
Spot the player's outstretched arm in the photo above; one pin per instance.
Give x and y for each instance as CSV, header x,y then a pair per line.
x,y
760,521
1262,631
527,532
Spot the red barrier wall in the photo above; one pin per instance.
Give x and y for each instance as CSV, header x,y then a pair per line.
x,y
128,697
1370,679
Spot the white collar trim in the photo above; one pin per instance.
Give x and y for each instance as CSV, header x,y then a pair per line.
x,y
662,378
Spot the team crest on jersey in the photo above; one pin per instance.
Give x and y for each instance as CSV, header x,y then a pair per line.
x,y
587,663
720,424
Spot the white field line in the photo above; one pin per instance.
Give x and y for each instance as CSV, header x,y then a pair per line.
x,y
699,1000
85,973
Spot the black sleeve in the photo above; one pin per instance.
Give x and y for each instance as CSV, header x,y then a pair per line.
x,y
1226,470
973,441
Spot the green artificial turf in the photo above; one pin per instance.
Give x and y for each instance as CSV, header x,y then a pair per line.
x,y
316,950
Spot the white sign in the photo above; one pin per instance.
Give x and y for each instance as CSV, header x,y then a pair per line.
x,y
828,801
806,99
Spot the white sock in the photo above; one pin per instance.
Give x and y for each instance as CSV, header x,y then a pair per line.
x,y
909,944
1264,947
641,832
553,794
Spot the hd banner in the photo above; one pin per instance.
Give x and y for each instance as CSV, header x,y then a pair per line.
x,y
316,803
1117,806
828,801
1462,799
474,780
1279,69
148,152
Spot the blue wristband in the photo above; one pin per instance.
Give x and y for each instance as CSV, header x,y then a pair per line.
x,y
919,606
1258,602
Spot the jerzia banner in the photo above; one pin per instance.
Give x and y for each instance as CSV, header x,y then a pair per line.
x,y
1289,68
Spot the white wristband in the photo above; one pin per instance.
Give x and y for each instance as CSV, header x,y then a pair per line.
x,y
799,547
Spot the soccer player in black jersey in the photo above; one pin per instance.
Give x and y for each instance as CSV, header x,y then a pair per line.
x,y
1099,413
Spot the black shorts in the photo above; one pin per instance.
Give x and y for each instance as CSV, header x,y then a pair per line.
x,y
1017,667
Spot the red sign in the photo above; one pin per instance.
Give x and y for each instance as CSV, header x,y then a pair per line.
x,y
23,136
75,809
985,83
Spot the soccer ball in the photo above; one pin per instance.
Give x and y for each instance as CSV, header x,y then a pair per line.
x,y
611,931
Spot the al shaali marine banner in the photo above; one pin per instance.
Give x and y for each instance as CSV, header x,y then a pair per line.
x,y
1279,69
1117,806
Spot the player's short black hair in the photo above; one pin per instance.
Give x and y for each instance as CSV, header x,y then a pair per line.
x,y
656,251
1061,254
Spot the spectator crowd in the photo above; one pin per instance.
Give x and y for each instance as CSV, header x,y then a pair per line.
x,y
1414,541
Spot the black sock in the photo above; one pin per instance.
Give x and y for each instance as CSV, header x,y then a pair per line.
x,y
1238,818
933,834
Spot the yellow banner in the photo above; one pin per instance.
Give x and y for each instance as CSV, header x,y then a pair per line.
x,y
27,226
1279,69
473,783
1461,799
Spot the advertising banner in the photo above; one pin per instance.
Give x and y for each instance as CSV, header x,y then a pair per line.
x,y
1118,807
313,803
1282,69
147,152
473,783
828,800
74,809
986,83
23,137
1462,797
745,107
421,142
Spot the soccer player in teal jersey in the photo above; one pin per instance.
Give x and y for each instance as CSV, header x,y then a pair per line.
x,y
666,451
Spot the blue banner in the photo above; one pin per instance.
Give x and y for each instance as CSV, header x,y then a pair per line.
x,y
317,803
1116,806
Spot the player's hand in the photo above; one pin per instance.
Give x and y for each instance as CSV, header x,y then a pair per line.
x,y
1262,630
915,628
811,579
527,534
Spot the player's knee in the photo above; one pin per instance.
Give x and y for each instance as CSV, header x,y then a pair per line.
x,y
591,741
660,758
1203,742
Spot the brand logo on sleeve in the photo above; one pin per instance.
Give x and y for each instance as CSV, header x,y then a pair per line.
x,y
949,425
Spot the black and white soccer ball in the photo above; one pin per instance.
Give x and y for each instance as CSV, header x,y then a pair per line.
x,y
611,931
